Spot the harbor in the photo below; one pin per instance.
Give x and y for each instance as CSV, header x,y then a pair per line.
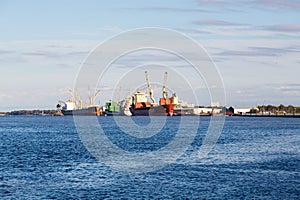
x,y
191,99
144,103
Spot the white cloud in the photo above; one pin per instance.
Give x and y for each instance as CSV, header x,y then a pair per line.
x,y
215,22
262,4
285,28
288,4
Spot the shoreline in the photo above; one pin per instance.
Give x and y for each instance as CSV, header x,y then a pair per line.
x,y
247,116
296,115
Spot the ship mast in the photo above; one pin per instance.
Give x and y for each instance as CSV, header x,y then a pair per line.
x,y
164,90
149,88
79,99
119,97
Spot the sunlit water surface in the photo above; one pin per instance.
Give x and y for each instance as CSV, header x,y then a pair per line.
x,y
254,158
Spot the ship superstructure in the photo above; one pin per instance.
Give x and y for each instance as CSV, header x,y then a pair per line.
x,y
168,103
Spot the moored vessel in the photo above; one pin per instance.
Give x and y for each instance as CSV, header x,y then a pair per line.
x,y
75,106
142,107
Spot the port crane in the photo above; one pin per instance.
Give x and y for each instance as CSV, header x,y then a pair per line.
x,y
149,88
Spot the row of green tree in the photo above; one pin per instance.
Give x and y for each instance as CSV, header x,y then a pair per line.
x,y
32,112
277,109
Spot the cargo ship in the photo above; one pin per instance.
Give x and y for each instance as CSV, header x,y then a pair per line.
x,y
74,106
142,107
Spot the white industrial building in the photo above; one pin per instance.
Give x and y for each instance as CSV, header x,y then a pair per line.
x,y
242,110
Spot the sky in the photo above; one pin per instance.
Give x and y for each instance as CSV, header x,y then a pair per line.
x,y
255,46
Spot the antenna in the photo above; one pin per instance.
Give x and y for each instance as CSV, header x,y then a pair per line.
x,y
164,90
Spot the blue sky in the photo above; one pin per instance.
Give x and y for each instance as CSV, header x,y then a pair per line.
x,y
254,44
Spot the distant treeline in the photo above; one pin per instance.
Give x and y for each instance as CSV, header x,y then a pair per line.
x,y
260,109
277,109
32,112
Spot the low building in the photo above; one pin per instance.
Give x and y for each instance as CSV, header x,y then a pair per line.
x,y
243,110
184,104
199,111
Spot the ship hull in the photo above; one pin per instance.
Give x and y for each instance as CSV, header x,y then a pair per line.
x,y
91,111
109,113
149,111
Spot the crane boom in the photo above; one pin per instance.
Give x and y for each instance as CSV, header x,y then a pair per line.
x,y
79,99
71,94
149,88
164,90
93,98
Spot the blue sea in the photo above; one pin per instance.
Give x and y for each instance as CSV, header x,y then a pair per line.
x,y
48,158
